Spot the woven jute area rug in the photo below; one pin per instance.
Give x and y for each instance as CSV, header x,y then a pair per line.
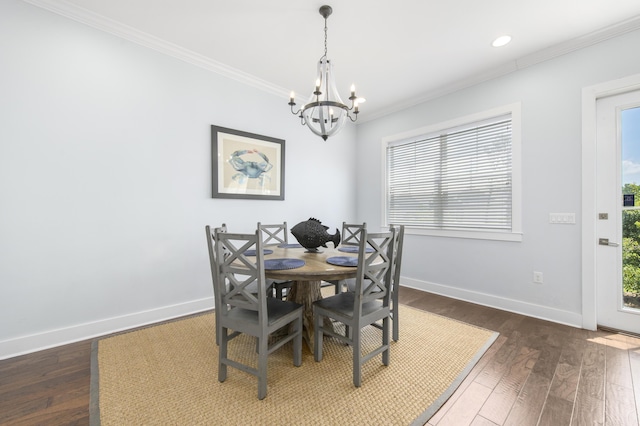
x,y
168,374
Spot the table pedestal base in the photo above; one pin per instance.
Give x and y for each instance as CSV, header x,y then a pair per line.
x,y
305,293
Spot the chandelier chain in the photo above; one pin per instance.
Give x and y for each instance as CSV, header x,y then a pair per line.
x,y
325,37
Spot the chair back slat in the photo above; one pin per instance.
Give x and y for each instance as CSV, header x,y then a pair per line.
x,y
274,234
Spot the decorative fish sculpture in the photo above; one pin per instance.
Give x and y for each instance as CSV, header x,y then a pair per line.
x,y
312,234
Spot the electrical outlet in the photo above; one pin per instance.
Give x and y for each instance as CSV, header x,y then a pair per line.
x,y
537,277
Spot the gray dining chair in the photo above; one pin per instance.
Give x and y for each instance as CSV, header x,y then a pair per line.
x,y
395,286
275,235
253,287
350,235
243,312
368,304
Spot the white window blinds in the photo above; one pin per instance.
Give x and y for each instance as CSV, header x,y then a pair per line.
x,y
457,179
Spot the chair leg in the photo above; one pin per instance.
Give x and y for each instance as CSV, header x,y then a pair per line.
x,y
385,340
357,358
262,366
222,355
297,343
317,337
395,323
217,311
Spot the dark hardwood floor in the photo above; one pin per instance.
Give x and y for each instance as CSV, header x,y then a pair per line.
x,y
536,373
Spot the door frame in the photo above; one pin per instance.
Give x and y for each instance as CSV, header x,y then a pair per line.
x,y
590,95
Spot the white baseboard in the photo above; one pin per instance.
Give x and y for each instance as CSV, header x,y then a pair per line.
x,y
45,340
523,308
36,342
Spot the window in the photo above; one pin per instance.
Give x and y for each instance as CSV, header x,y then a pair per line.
x,y
459,178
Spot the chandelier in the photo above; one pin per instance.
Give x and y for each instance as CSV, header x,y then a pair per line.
x,y
325,113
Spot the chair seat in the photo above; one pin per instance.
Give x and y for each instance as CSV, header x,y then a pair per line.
x,y
343,303
276,310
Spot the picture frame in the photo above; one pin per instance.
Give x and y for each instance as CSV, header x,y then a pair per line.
x,y
246,165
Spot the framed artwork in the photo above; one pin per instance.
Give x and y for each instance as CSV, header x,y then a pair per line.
x,y
246,165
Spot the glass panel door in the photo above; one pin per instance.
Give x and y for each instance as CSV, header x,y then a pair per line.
x,y
630,142
618,207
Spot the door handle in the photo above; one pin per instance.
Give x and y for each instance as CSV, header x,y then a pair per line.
x,y
606,242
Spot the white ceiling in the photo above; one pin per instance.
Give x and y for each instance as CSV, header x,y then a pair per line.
x,y
396,54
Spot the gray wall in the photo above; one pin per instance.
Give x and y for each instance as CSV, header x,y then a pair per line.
x,y
105,178
499,273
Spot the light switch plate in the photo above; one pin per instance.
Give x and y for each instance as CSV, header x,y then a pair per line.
x,y
562,218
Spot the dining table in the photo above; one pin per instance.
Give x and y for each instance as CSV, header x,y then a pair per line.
x,y
308,277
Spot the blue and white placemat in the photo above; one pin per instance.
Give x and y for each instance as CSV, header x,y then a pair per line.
x,y
285,263
343,260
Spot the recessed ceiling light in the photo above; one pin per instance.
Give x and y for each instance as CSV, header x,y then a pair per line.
x,y
501,41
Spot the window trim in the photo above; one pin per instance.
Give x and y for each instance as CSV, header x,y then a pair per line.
x,y
516,169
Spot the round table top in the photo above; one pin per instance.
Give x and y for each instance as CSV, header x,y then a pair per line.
x,y
316,267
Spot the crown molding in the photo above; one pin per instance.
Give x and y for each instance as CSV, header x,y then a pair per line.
x,y
478,78
581,42
111,26
538,57
134,35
